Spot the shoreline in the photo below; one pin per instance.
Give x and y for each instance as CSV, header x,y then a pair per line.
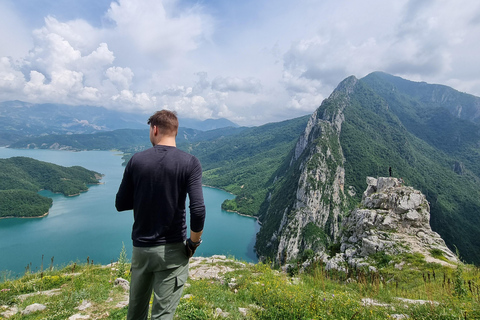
x,y
233,211
206,185
244,215
35,217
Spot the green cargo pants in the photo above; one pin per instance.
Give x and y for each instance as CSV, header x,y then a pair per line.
x,y
163,270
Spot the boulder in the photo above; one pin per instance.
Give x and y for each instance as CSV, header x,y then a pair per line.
x,y
392,218
33,308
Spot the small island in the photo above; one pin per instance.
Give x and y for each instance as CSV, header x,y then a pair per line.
x,y
21,178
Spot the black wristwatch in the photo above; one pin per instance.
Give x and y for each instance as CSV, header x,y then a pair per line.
x,y
194,244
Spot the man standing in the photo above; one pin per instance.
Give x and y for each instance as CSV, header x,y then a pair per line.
x,y
155,185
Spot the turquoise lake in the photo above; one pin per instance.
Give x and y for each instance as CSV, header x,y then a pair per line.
x,y
89,226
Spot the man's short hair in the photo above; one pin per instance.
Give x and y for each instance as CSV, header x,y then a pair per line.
x,y
166,121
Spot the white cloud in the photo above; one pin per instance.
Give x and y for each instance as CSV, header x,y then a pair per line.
x,y
11,79
157,32
141,100
121,77
236,84
252,62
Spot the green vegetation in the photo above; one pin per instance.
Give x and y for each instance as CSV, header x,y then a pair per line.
x,y
245,164
21,178
385,127
263,293
23,203
117,139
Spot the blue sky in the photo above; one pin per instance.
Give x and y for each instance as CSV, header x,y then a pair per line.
x,y
252,62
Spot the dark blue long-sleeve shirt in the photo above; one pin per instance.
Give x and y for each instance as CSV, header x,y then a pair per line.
x,y
155,185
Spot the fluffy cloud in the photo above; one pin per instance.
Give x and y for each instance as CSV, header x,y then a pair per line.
x,y
155,29
71,62
225,84
11,79
121,77
266,61
197,101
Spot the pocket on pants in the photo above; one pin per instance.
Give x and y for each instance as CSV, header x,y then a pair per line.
x,y
181,279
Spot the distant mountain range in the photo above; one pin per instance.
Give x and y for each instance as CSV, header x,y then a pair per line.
x,y
19,120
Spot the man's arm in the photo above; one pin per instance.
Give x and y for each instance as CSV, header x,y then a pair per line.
x,y
197,205
124,198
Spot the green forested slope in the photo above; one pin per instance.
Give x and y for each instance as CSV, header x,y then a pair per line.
x,y
423,143
23,203
128,140
21,178
244,164
432,149
117,139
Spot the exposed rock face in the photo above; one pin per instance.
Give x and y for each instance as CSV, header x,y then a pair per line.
x,y
392,218
33,308
366,125
306,215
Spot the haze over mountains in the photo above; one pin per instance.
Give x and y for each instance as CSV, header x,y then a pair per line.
x,y
19,120
301,177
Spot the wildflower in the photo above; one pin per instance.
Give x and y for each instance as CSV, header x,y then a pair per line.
x,y
5,290
323,299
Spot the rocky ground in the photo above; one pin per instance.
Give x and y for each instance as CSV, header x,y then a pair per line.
x,y
213,267
393,219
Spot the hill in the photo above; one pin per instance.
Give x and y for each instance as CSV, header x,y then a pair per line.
x,y
22,120
127,140
244,163
117,139
21,178
362,129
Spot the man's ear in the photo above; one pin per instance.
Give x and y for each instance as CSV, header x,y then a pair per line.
x,y
155,130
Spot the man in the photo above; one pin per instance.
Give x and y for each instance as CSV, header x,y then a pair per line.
x,y
155,185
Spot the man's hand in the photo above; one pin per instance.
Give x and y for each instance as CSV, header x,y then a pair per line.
x,y
191,247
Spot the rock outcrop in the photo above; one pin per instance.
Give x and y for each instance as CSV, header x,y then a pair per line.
x,y
393,219
304,213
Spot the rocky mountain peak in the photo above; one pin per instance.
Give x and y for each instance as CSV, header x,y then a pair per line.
x,y
392,218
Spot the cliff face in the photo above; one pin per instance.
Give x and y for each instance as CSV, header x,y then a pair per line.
x,y
304,213
394,219
362,129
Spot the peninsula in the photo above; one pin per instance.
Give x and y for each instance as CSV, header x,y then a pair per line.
x,y
21,178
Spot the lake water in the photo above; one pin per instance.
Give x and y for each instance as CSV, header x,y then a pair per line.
x,y
89,226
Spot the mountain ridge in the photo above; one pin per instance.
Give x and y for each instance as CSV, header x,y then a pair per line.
x,y
372,139
25,120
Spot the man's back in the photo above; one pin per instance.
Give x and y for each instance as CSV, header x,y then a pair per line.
x,y
155,185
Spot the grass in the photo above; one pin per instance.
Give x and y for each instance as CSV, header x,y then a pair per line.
x,y
248,291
